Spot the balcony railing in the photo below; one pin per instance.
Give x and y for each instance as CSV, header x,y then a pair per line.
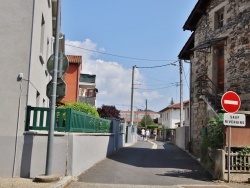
x,y
87,78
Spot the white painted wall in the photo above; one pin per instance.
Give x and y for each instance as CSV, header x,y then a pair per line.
x,y
172,118
20,46
37,76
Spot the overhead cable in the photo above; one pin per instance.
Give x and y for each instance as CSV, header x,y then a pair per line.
x,y
121,56
157,66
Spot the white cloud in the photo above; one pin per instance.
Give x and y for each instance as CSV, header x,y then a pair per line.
x,y
112,79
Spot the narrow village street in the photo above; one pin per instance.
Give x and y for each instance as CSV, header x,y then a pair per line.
x,y
148,164
125,94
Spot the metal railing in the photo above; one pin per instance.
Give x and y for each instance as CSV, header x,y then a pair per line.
x,y
67,120
211,90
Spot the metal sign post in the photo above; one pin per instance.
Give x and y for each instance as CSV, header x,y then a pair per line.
x,y
229,120
50,144
229,151
231,102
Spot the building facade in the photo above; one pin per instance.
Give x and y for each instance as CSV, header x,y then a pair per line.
x,y
138,115
72,79
170,116
26,44
87,89
219,50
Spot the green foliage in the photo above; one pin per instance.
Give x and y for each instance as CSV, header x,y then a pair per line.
x,y
148,121
103,127
107,111
214,134
164,127
82,107
245,150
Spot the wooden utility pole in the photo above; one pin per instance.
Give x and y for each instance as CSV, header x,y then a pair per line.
x,y
132,97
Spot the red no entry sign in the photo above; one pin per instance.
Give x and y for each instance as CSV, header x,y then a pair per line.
x,y
230,102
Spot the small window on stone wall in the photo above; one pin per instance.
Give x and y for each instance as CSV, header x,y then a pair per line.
x,y
219,19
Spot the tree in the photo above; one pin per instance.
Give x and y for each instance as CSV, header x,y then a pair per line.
x,y
107,111
148,121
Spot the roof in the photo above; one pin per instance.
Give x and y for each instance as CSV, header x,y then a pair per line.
x,y
74,58
174,106
196,14
186,50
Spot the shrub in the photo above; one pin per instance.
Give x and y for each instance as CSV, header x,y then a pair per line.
x,y
214,134
82,107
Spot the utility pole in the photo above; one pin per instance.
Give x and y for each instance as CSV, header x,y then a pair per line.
x,y
146,114
132,97
50,143
181,93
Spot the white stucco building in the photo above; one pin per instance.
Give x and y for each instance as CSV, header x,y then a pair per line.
x,y
170,116
26,35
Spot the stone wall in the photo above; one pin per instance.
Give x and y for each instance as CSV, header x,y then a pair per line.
x,y
236,28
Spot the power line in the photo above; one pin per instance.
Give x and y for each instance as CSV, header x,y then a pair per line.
x,y
153,88
154,78
121,56
157,66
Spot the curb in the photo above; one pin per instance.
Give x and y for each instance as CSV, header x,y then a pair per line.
x,y
47,178
63,182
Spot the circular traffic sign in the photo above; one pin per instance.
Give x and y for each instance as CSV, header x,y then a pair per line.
x,y
230,102
63,64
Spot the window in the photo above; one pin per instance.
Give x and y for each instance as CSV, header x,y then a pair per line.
x,y
49,3
37,99
42,35
47,51
90,93
44,103
219,19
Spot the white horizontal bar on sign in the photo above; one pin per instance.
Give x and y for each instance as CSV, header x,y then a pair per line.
x,y
231,102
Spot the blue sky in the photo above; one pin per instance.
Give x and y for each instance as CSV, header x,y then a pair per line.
x,y
134,29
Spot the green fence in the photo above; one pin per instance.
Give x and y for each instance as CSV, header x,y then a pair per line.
x,y
66,120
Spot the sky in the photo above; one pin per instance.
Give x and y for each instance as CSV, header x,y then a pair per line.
x,y
113,36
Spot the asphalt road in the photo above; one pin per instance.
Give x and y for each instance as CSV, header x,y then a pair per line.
x,y
146,164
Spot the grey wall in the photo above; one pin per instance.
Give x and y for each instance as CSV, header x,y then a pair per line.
x,y
20,35
73,153
182,137
87,150
15,36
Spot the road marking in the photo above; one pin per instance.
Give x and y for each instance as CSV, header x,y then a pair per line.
x,y
154,145
230,102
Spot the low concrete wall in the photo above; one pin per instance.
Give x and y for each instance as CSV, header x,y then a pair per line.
x,y
85,150
33,154
73,153
182,137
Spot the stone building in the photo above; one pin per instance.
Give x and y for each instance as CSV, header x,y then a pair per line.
x,y
219,52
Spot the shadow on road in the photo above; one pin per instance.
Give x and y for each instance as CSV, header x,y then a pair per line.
x,y
175,161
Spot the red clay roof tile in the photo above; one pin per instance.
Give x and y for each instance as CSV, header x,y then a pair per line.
x,y
74,58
